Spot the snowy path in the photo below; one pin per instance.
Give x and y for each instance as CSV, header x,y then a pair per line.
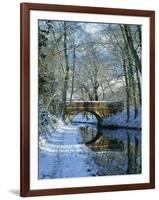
x,y
62,154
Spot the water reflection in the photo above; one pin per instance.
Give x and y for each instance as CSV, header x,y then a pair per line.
x,y
115,151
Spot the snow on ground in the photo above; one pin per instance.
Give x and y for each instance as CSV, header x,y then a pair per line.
x,y
120,120
62,155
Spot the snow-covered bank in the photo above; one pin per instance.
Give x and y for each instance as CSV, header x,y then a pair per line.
x,y
62,154
120,120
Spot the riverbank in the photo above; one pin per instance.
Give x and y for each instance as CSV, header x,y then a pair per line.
x,y
119,120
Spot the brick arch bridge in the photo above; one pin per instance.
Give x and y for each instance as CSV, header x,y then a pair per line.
x,y
98,108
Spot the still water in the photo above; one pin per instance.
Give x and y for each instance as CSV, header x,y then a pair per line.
x,y
69,152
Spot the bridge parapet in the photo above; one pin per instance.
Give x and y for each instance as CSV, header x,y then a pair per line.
x,y
98,108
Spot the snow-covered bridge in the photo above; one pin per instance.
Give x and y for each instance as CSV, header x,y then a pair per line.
x,y
98,108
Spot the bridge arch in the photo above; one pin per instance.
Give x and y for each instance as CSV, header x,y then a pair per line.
x,y
97,108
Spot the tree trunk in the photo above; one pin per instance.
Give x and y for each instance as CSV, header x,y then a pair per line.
x,y
73,72
96,84
95,91
139,32
138,84
130,70
127,91
64,96
131,77
131,46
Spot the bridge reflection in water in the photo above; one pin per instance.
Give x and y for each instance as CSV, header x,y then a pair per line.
x,y
116,151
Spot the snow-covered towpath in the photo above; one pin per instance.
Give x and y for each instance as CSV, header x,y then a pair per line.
x,y
63,154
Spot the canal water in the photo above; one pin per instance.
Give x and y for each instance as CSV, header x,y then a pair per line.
x,y
68,153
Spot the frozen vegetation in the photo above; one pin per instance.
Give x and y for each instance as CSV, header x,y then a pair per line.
x,y
120,120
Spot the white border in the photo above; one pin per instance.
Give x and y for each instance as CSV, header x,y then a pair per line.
x,y
86,181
